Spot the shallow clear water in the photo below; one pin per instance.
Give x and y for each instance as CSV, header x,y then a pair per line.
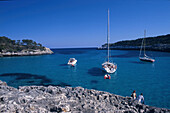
x,y
151,79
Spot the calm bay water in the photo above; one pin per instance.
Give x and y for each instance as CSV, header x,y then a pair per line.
x,y
151,79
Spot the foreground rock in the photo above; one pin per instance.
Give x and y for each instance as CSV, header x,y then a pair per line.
x,y
57,99
27,53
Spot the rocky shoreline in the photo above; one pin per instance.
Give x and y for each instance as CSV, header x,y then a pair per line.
x,y
27,53
40,99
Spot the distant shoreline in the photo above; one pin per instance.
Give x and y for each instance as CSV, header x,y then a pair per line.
x,y
118,48
75,48
50,51
129,48
27,53
158,43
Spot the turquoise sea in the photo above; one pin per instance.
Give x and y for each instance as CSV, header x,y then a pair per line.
x,y
151,79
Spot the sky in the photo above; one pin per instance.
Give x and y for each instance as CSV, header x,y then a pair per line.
x,y
82,23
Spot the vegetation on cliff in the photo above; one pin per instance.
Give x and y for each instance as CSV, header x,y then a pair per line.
x,y
150,41
8,45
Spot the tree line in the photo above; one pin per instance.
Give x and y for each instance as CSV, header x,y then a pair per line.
x,y
149,41
8,45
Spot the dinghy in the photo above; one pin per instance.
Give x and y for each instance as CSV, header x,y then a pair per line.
x,y
107,76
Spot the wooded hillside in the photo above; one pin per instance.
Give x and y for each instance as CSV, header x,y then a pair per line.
x,y
150,41
8,45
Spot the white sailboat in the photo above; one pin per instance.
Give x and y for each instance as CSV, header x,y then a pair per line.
x,y
108,66
144,57
72,62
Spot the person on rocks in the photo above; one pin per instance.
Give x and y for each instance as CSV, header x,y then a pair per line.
x,y
133,95
141,98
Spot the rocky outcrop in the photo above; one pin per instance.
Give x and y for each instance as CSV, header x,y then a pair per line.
x,y
27,53
40,99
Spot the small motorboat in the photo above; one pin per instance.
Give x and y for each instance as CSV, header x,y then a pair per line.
x,y
107,76
72,62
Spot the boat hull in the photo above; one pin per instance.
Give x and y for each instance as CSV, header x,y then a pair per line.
x,y
109,67
109,70
147,59
72,63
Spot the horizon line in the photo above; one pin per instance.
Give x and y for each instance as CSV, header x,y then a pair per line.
x,y
73,47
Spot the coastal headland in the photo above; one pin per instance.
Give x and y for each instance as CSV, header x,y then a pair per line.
x,y
68,99
158,43
25,47
27,53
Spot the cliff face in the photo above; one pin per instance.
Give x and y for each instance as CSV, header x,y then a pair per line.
x,y
27,53
57,99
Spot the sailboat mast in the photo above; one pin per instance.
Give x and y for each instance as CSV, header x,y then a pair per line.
x,y
141,47
108,37
144,40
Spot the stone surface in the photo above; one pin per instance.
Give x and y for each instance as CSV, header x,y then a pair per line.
x,y
40,99
27,53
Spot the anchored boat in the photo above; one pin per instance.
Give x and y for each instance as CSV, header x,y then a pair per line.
x,y
72,62
107,76
145,57
108,66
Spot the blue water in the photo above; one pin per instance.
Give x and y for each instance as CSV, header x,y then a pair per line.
x,y
151,79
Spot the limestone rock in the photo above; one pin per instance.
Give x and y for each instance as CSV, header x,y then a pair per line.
x,y
40,99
